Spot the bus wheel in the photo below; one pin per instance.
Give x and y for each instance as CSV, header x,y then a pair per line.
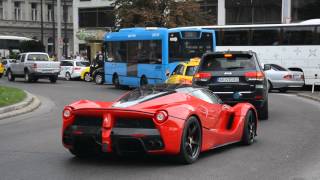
x,y
115,81
143,81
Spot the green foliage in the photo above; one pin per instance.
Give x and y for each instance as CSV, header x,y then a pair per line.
x,y
160,13
31,46
9,96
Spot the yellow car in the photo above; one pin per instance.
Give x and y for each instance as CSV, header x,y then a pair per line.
x,y
184,72
85,74
1,69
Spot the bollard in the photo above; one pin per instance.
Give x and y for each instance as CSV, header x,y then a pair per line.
x,y
314,83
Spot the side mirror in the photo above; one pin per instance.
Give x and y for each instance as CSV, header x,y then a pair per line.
x,y
266,67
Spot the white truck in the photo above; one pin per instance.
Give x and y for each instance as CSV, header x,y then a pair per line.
x,y
33,66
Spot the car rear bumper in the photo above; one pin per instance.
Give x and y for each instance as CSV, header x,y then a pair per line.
x,y
43,74
287,84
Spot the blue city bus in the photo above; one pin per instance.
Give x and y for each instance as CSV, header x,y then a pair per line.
x,y
141,56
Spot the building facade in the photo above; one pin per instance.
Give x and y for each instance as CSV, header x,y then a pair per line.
x,y
91,19
23,18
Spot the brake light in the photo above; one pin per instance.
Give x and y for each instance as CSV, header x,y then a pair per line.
x,y
202,76
228,55
288,77
254,76
302,77
34,66
77,68
161,116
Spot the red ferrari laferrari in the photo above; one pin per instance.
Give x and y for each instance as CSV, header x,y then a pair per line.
x,y
162,119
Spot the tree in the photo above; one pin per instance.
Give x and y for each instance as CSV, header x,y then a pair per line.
x,y
161,13
31,46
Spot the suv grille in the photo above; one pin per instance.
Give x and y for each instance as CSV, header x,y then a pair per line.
x,y
134,123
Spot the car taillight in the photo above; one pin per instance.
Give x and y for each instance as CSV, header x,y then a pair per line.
x,y
34,66
77,68
254,76
302,77
288,77
202,76
161,116
67,113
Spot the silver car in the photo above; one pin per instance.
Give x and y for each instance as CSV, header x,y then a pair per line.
x,y
281,78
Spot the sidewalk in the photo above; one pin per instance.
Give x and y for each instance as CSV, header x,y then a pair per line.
x,y
30,103
313,96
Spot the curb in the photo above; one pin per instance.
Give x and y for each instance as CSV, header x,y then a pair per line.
x,y
29,104
309,97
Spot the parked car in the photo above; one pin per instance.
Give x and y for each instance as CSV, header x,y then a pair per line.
x,y
94,73
33,66
163,119
85,74
235,76
71,69
2,69
282,79
6,63
184,72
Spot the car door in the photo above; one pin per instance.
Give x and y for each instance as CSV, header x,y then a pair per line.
x,y
21,63
210,108
176,75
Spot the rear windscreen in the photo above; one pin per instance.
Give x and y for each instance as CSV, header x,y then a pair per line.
x,y
220,63
38,57
83,63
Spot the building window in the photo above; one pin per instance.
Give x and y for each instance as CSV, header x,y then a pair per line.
x,y
253,12
1,9
211,7
34,12
50,12
17,11
304,10
96,17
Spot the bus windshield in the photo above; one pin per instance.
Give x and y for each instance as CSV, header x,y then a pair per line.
x,y
183,49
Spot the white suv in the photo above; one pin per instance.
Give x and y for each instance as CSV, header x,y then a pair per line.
x,y
71,69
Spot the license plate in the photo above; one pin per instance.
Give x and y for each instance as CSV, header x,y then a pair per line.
x,y
228,79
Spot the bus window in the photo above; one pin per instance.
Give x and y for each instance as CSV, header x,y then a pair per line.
x,y
145,52
298,35
185,49
235,37
259,36
117,51
317,41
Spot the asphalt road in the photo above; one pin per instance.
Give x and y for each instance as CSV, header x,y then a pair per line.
x,y
287,146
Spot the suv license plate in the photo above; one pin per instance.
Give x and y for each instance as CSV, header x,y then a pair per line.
x,y
228,79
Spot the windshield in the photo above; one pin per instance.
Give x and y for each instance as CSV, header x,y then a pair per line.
x,y
38,57
83,64
185,49
212,63
191,70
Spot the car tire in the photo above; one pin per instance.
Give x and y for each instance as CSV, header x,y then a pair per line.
x,y
10,76
1,75
98,79
53,79
27,76
87,77
249,128
263,112
191,141
68,76
80,154
143,81
269,86
116,81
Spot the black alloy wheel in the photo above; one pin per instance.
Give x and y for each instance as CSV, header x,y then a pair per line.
x,y
191,141
249,129
143,81
115,81
98,78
